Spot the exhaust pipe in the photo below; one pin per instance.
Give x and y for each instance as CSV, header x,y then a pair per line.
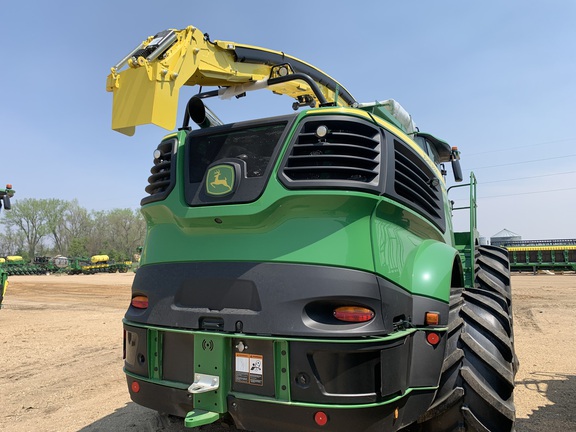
x,y
201,114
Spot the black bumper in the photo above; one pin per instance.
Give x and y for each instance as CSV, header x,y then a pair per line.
x,y
270,417
272,298
266,416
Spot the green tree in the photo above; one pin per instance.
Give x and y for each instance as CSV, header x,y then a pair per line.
x,y
56,212
77,226
45,226
29,217
126,230
98,234
78,247
12,242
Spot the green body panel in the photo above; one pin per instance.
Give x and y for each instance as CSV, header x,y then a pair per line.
x,y
410,252
327,228
314,227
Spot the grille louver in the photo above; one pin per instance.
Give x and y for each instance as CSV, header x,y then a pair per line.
x,y
161,180
347,155
415,182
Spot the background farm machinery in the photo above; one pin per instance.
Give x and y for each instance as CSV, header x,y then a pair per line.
x,y
5,195
535,255
16,265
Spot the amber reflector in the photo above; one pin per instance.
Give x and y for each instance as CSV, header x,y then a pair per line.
x,y
432,318
140,302
353,314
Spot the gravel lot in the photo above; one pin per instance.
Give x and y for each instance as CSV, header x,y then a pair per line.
x,y
61,355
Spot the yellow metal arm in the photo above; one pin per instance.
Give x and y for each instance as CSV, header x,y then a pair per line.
x,y
146,83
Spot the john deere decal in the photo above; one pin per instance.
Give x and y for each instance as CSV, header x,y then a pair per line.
x,y
220,180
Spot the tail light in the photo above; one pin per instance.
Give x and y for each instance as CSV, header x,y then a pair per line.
x,y
320,418
357,314
433,338
140,302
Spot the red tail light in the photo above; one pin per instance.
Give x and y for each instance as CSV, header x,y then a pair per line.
x,y
353,314
433,338
140,302
320,418
135,386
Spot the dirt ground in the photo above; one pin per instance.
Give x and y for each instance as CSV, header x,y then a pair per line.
x,y
61,356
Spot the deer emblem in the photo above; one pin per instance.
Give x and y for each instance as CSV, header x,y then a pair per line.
x,y
220,184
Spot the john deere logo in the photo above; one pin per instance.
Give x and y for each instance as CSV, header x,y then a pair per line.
x,y
220,180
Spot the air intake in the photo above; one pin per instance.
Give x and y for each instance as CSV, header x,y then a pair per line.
x,y
161,182
416,184
343,153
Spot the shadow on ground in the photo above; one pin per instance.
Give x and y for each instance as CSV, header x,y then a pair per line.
x,y
133,417
559,414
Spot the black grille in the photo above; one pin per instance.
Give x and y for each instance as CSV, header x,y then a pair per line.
x,y
348,155
161,182
416,184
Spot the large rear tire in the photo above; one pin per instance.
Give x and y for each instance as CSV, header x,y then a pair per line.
x,y
476,391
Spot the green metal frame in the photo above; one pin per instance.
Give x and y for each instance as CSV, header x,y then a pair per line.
x,y
466,242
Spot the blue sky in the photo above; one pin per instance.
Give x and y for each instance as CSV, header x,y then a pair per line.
x,y
495,78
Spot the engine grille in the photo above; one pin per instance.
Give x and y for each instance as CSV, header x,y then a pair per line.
x,y
349,156
161,180
416,185
357,155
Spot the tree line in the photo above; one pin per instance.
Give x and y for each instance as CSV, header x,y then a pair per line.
x,y
51,227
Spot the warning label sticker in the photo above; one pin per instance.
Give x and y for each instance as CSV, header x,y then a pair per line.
x,y
248,369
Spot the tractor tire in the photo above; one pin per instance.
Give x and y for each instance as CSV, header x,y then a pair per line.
x,y
476,389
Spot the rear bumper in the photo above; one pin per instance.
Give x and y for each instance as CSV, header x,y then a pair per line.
x,y
269,417
365,381
263,331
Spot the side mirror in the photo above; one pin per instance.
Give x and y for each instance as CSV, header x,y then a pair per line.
x,y
7,205
456,168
